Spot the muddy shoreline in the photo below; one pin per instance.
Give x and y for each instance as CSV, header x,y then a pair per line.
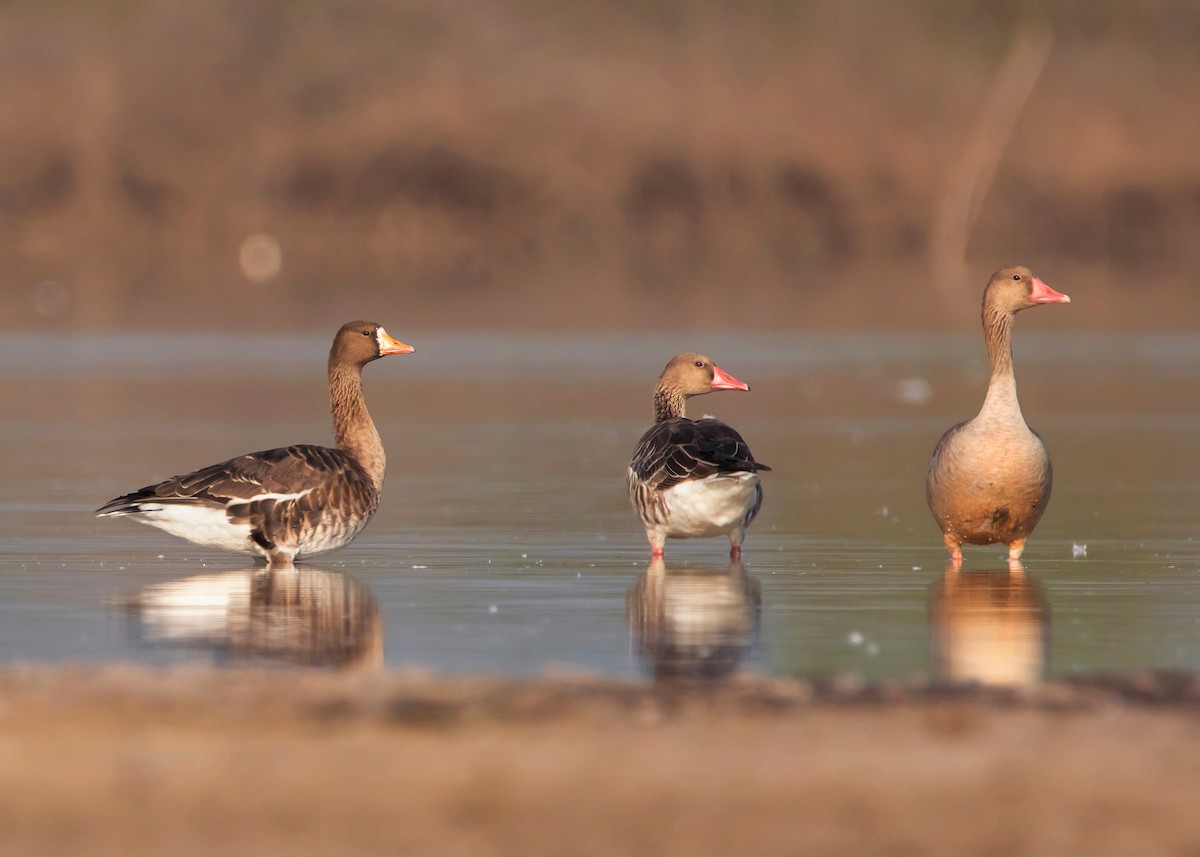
x,y
129,760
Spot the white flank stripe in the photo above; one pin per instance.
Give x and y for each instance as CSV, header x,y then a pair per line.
x,y
203,525
259,497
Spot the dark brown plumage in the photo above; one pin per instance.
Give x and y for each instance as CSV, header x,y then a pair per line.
x,y
693,477
292,502
989,480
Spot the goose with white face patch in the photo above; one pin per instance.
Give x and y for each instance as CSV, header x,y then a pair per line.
x,y
288,503
693,478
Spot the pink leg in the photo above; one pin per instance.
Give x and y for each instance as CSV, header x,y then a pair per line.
x,y
735,552
1016,549
656,553
955,548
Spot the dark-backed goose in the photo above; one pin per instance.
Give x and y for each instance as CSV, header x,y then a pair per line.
x,y
288,503
693,477
989,480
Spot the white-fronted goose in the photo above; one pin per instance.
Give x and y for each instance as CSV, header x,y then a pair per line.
x,y
693,477
989,480
288,503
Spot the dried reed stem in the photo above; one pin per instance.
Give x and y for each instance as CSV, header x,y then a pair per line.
x,y
972,174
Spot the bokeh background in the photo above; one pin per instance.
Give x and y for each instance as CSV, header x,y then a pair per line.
x,y
278,164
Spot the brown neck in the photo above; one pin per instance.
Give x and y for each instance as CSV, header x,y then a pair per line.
x,y
668,403
353,429
997,334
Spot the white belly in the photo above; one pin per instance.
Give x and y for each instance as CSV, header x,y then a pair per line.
x,y
202,525
710,507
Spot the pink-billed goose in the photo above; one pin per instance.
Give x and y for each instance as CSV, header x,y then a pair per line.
x,y
288,503
693,478
989,480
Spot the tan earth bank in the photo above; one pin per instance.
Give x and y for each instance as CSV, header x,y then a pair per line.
x,y
122,760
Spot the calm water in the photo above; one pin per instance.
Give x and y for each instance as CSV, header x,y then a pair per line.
x,y
505,543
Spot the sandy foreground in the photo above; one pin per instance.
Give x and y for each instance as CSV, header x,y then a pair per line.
x,y
122,760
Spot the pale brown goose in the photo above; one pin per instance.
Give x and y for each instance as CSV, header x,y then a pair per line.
x,y
990,477
288,503
693,477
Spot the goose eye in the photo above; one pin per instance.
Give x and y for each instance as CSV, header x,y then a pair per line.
x,y
366,333
1016,276
700,364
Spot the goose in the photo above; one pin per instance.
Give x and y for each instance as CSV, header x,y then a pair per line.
x,y
288,503
692,478
989,479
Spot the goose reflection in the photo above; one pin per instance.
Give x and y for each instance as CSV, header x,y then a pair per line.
x,y
297,615
990,627
693,622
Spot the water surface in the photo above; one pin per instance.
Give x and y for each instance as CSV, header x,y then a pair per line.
x,y
504,543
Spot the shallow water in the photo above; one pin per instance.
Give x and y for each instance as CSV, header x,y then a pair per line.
x,y
505,544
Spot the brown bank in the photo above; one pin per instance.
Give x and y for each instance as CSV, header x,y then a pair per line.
x,y
128,761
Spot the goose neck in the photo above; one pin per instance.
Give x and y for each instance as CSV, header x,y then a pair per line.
x,y
1001,402
669,403
997,335
353,429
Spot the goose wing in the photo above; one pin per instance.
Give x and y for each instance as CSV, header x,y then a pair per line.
x,y
678,450
299,472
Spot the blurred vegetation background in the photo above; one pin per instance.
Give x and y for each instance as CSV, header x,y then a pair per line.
x,y
631,163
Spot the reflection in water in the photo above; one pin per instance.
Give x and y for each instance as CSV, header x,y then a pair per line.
x,y
991,627
300,615
693,622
